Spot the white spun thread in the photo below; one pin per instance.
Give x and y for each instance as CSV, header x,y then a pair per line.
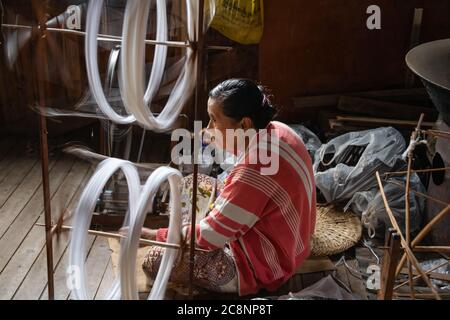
x,y
133,62
83,216
139,203
132,68
131,244
91,50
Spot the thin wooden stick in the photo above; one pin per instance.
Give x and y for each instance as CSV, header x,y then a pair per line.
x,y
40,72
430,225
418,276
119,236
407,206
399,173
420,193
442,136
198,95
404,244
381,121
436,249
118,39
433,132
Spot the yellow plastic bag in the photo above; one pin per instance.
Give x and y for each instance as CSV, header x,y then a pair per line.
x,y
239,20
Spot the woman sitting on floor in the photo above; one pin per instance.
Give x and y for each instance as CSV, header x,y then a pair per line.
x,y
258,231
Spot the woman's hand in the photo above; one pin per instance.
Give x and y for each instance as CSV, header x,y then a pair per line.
x,y
146,233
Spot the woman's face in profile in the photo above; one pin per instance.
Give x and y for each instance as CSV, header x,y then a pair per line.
x,y
219,124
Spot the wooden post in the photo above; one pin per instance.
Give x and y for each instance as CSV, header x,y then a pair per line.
x,y
41,72
198,94
390,260
407,209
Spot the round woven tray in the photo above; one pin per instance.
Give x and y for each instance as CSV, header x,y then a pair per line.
x,y
335,232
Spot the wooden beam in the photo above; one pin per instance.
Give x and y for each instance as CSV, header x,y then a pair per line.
x,y
382,121
390,260
375,108
333,99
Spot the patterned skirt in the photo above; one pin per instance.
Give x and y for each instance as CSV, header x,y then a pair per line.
x,y
213,270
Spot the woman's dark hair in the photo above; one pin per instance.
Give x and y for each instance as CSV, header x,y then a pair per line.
x,y
244,98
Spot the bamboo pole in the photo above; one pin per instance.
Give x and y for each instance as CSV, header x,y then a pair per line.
x,y
403,241
399,173
420,194
198,94
407,198
427,249
40,71
118,39
437,132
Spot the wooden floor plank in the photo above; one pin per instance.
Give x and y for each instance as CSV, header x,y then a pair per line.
x,y
32,245
34,282
36,279
22,195
106,282
96,263
13,179
62,292
25,221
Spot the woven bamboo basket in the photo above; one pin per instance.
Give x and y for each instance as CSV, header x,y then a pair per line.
x,y
335,232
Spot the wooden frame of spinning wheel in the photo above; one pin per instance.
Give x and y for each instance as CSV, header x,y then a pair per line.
x,y
40,72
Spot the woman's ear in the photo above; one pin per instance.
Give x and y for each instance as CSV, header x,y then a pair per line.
x,y
246,123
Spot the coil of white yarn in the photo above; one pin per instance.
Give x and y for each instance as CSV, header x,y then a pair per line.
x,y
131,244
83,216
91,50
132,75
131,82
139,203
133,65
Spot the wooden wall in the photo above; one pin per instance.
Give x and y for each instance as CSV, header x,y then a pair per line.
x,y
308,48
323,46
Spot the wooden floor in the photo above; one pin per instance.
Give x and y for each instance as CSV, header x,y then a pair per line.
x,y
23,271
